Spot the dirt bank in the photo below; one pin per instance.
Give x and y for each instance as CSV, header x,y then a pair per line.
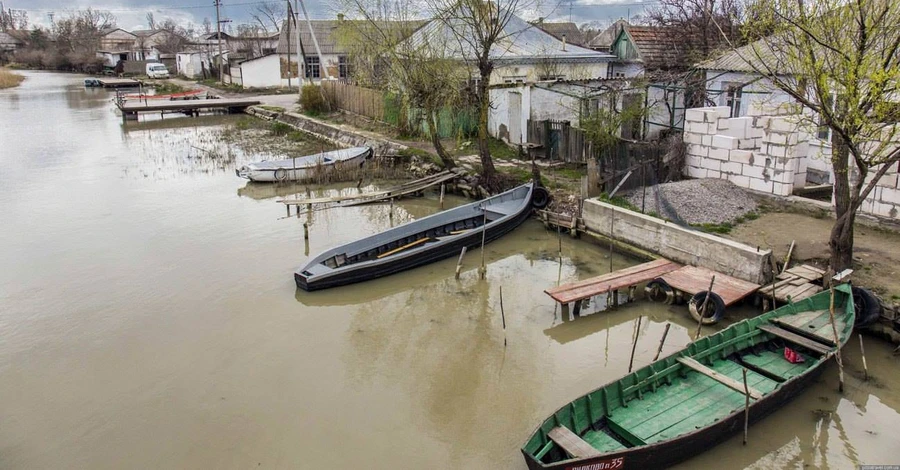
x,y
9,79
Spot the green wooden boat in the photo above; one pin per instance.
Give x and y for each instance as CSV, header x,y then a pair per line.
x,y
686,403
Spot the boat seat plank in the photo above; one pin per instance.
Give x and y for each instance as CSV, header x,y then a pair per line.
x,y
682,390
692,279
704,408
579,290
571,443
775,363
723,379
795,338
602,441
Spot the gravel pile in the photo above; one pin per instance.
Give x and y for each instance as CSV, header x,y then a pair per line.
x,y
700,201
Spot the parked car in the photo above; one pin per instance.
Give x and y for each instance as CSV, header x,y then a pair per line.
x,y
157,70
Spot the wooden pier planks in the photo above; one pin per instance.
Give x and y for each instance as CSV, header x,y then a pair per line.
x,y
615,280
375,196
795,284
691,280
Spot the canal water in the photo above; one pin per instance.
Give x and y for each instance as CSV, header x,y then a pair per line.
x,y
149,319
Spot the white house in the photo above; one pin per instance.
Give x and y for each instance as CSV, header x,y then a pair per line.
x,y
260,72
334,61
197,63
525,54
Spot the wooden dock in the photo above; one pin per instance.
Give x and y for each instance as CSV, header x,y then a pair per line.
x,y
131,108
119,82
610,283
405,189
692,280
794,284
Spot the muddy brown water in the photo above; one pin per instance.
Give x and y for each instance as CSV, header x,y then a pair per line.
x,y
148,319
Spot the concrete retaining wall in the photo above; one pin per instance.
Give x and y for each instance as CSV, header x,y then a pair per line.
x,y
677,243
334,133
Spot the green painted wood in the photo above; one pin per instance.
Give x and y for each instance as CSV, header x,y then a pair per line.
x,y
625,434
795,338
715,403
602,441
543,451
774,362
722,379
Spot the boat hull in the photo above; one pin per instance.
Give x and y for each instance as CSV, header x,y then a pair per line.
x,y
395,265
671,452
304,169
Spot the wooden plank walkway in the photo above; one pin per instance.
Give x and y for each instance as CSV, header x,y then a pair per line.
x,y
691,280
118,82
611,282
404,189
141,106
794,284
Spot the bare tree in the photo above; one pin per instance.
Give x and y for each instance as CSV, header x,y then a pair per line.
x,y
422,72
269,14
481,33
151,21
840,61
698,28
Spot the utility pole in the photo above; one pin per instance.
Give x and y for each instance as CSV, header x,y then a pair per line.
x,y
287,34
315,42
301,53
219,38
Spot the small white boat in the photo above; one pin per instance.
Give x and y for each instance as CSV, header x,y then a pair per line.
x,y
300,168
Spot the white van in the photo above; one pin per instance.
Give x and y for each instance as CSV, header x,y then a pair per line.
x,y
157,70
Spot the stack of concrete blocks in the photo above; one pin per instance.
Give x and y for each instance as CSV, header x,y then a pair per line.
x,y
755,152
884,200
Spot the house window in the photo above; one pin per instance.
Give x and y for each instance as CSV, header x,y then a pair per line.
x,y
589,107
343,67
312,67
733,92
514,79
551,78
824,132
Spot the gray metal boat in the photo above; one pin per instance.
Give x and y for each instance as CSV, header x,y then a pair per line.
x,y
421,241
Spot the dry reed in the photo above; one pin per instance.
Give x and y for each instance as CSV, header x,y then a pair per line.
x,y
9,79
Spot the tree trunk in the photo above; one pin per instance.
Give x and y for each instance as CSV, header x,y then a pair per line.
x,y
446,159
484,104
841,241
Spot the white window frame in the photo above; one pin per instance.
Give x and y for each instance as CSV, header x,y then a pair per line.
x,y
732,97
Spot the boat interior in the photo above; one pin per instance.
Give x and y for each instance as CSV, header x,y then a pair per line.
x,y
432,234
685,392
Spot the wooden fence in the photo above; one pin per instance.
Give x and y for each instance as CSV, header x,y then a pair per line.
x,y
355,99
560,141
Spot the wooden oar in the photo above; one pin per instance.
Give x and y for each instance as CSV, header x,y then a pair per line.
x,y
408,245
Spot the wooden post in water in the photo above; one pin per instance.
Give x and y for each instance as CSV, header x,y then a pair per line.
x,y
459,263
305,231
705,303
288,207
774,278
391,214
746,404
442,196
483,270
662,341
837,342
637,333
787,259
862,351
502,316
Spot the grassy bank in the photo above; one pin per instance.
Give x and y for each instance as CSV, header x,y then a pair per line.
x,y
9,79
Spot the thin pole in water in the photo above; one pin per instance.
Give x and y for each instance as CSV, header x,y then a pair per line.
x,y
442,196
634,345
705,303
483,269
305,231
662,341
502,316
459,262
746,404
862,350
837,342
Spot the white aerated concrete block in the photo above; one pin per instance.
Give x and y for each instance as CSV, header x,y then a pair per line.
x,y
782,189
885,210
753,171
694,172
748,144
722,111
741,156
739,180
773,150
888,181
713,174
691,160
707,140
723,124
697,150
889,195
718,154
697,115
692,138
700,127
731,167
711,164
760,185
781,124
775,138
739,127
724,142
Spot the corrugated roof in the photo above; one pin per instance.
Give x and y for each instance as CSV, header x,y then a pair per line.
x,y
326,34
761,54
559,29
520,41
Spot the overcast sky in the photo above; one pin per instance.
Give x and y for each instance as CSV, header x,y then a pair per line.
x,y
131,14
